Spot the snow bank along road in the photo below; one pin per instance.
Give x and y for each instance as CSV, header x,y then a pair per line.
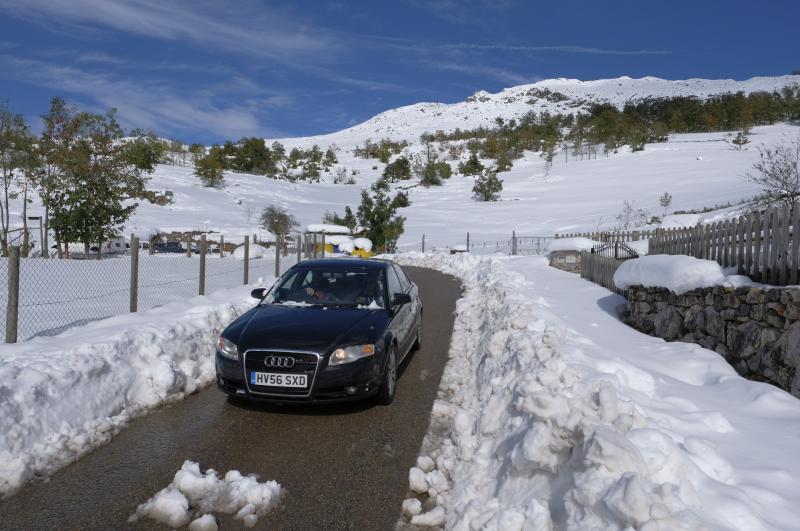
x,y
342,467
553,414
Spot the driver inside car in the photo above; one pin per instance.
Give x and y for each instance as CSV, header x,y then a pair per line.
x,y
317,289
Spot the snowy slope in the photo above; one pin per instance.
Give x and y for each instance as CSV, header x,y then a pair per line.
x,y
556,96
699,170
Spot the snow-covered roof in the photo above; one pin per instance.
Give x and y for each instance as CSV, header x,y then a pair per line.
x,y
327,228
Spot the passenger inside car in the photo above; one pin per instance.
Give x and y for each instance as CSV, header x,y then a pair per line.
x,y
371,292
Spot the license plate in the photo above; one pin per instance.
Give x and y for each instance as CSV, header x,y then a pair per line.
x,y
272,379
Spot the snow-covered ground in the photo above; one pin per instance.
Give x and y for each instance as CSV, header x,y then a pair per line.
x,y
62,396
698,170
553,414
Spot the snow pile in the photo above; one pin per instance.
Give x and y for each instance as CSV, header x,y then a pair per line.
x,y
577,243
197,495
65,395
538,427
256,251
677,273
363,243
642,247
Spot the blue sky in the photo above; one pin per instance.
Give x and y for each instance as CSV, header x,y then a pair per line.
x,y
207,71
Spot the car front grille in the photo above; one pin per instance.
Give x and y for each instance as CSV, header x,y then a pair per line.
x,y
304,363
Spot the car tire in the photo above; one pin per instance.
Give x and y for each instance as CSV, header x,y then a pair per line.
x,y
389,384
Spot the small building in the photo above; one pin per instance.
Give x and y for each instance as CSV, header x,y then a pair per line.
x,y
565,253
340,240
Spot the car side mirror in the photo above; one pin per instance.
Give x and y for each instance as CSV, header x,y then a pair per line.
x,y
401,298
258,293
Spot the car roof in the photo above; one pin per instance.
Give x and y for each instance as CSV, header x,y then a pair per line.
x,y
344,263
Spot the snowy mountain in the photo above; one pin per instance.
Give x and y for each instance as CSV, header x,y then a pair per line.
x,y
556,96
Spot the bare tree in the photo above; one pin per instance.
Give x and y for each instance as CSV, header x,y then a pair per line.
x,y
631,217
14,144
665,201
777,171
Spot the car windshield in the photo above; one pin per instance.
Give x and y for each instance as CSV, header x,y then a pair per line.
x,y
330,286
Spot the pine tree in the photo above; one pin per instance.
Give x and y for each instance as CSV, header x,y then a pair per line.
x,y
329,160
348,220
209,170
487,185
741,139
399,170
378,215
310,171
473,166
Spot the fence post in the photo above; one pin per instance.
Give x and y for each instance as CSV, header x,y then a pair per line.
x,y
514,243
322,252
151,247
277,256
12,308
247,260
134,297
201,290
299,248
188,246
45,243
221,245
423,243
468,242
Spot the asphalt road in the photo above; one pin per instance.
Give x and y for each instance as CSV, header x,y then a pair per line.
x,y
343,467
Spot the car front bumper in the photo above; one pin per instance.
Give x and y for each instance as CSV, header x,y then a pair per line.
x,y
351,381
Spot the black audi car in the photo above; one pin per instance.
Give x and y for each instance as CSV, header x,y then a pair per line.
x,y
328,330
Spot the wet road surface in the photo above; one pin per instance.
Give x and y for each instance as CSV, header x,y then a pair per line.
x,y
343,467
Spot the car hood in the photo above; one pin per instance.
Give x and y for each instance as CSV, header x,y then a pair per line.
x,y
305,328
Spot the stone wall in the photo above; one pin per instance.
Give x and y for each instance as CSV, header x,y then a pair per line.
x,y
756,330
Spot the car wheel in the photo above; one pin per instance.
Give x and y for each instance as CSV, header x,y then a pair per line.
x,y
387,390
418,341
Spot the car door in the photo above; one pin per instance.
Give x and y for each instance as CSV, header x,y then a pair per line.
x,y
400,320
412,290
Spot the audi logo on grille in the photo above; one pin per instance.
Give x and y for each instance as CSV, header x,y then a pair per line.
x,y
281,362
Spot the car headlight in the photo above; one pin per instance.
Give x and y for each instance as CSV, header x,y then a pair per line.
x,y
344,355
227,348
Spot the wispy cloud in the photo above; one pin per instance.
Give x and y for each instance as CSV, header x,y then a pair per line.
x,y
462,11
499,74
562,48
247,27
151,104
429,47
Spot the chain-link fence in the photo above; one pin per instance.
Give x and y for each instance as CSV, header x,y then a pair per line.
x,y
45,296
479,243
